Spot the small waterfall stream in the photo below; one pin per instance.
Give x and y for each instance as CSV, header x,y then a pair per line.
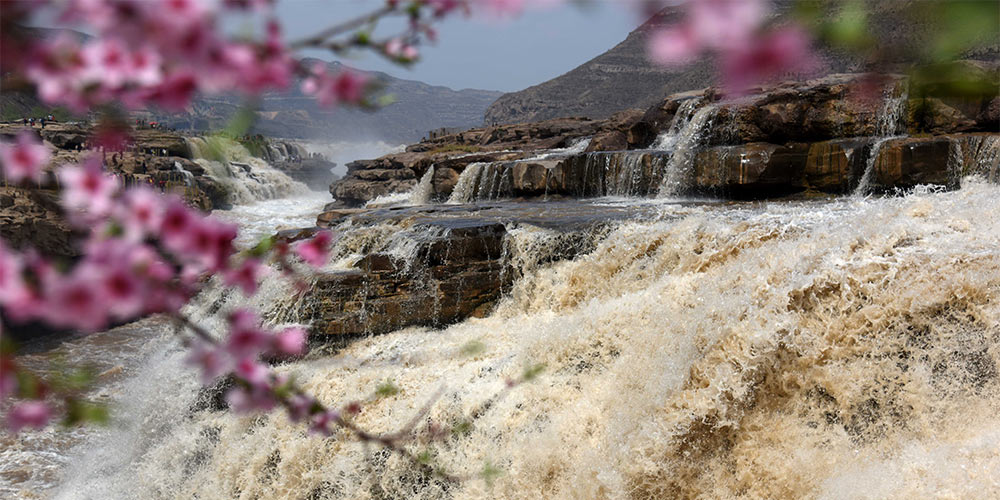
x,y
689,138
889,125
685,113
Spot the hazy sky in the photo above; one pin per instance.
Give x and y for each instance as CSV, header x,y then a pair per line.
x,y
480,52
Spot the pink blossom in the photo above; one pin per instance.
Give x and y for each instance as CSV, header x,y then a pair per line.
x,y
77,300
725,24
253,372
445,7
673,46
87,188
184,13
56,67
25,159
320,423
177,221
210,359
246,339
21,301
142,212
783,51
11,283
145,67
28,414
316,250
291,341
246,276
175,92
299,407
209,243
348,86
107,61
243,401
124,291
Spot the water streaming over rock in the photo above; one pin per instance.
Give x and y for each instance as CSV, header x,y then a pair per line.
x,y
680,168
843,349
245,177
424,190
465,188
685,112
981,156
889,124
188,176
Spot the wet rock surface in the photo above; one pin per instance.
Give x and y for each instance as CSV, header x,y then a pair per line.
x,y
816,135
459,262
31,218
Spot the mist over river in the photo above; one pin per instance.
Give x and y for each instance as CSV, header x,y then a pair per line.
x,y
841,348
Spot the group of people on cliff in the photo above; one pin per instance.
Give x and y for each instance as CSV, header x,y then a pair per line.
x,y
31,121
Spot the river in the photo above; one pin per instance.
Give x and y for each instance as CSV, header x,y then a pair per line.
x,y
837,348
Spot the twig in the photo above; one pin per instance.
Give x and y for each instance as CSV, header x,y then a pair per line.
x,y
322,36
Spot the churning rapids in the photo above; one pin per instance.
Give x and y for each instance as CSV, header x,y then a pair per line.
x,y
826,349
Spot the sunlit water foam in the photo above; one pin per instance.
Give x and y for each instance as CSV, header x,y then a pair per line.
x,y
245,177
773,351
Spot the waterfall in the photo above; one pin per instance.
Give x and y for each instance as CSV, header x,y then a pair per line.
x,y
982,156
680,168
422,193
245,177
841,349
685,113
465,188
188,176
889,125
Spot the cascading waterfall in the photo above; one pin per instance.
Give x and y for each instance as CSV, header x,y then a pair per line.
x,y
188,176
245,177
889,124
424,190
981,156
419,194
685,112
680,168
845,349
468,181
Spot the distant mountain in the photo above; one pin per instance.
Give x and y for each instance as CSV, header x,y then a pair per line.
x,y
618,79
417,108
623,78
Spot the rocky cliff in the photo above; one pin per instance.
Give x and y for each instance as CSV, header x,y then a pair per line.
x,y
623,78
793,137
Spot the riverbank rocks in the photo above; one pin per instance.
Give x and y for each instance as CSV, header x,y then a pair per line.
x,y
812,135
434,265
907,162
31,218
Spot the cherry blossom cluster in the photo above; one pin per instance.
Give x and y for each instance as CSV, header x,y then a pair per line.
x,y
163,52
735,31
142,253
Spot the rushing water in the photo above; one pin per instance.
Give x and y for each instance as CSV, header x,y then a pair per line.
x,y
246,178
842,349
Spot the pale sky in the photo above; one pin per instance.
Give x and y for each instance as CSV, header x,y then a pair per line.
x,y
480,52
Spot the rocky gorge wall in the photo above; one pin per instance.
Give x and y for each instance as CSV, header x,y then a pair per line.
x,y
816,136
163,160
